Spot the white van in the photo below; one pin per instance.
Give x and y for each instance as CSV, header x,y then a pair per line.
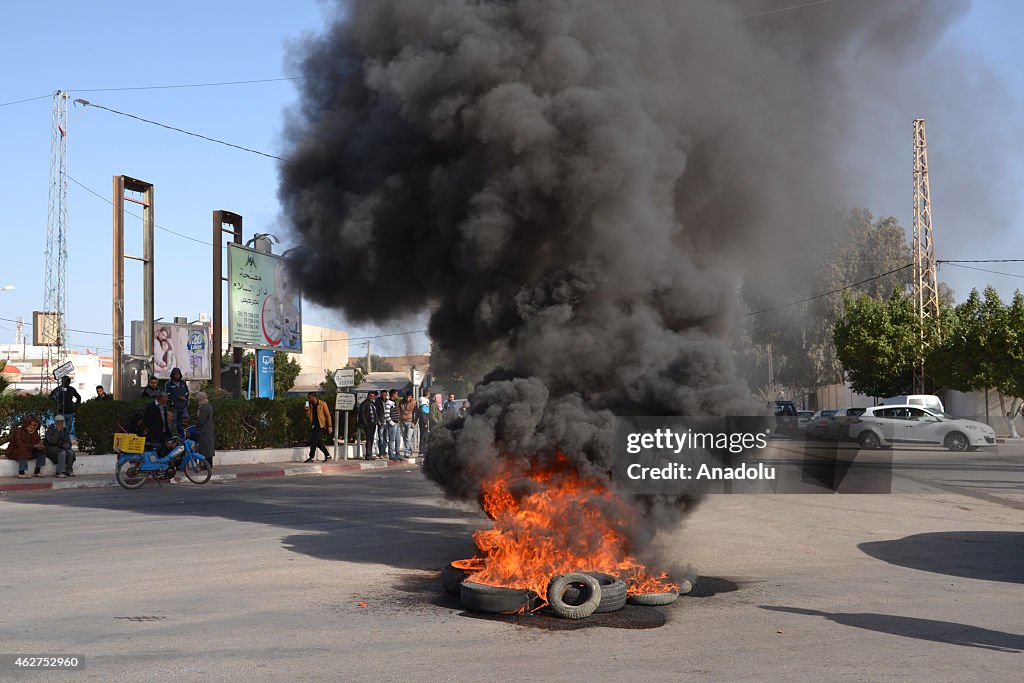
x,y
923,400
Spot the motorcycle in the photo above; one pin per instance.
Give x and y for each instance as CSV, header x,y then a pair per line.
x,y
134,468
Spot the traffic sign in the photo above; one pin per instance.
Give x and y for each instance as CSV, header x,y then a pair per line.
x,y
345,377
344,401
63,370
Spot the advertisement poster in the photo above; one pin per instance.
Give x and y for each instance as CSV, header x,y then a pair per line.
x,y
265,373
264,306
186,347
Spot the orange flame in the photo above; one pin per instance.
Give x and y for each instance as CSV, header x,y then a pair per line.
x,y
552,520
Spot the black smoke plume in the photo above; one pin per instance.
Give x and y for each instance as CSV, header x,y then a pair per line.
x,y
578,188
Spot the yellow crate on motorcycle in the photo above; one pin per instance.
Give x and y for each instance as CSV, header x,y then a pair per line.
x,y
129,443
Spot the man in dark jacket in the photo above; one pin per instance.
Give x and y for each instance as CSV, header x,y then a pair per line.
x,y
382,432
67,398
152,389
157,421
368,421
177,395
58,447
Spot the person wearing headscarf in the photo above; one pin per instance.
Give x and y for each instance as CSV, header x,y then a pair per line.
x,y
26,444
204,421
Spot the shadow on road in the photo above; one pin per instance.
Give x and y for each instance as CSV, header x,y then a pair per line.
x,y
948,632
397,519
986,555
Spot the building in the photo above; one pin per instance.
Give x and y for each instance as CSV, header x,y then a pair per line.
x,y
323,350
29,362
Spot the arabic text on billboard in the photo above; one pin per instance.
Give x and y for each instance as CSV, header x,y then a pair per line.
x,y
264,310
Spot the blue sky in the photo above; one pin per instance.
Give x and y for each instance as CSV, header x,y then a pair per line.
x,y
975,156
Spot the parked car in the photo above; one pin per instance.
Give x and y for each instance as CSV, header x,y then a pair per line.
x,y
803,419
885,425
929,401
818,425
838,426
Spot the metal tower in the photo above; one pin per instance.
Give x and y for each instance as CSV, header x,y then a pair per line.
x,y
926,289
55,293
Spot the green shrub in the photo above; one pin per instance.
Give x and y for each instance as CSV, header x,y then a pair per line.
x,y
14,408
97,421
238,424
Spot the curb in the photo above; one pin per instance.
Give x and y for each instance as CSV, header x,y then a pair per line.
x,y
298,470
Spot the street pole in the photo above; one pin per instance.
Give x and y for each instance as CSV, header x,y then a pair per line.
x,y
336,414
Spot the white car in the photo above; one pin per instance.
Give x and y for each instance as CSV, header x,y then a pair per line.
x,y
885,425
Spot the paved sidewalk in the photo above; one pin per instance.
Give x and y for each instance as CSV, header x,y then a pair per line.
x,y
220,473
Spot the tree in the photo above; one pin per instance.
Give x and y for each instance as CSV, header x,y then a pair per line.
x,y
286,369
984,348
857,248
878,344
3,382
377,363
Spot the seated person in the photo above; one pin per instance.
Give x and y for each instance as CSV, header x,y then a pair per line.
x,y
187,430
58,447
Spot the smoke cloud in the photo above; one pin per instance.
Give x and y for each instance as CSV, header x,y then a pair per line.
x,y
578,188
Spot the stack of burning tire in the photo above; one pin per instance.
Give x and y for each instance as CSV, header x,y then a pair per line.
x,y
575,595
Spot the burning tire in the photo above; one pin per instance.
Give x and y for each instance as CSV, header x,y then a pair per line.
x,y
574,605
654,599
613,593
479,597
455,573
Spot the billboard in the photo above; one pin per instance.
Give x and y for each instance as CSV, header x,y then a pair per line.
x,y
181,346
45,328
264,306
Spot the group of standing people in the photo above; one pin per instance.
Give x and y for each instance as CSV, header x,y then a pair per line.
x,y
390,423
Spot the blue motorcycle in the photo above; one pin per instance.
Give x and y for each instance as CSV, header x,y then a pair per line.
x,y
134,468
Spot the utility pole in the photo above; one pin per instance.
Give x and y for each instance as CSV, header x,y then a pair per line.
x,y
926,289
56,267
234,223
369,368
142,194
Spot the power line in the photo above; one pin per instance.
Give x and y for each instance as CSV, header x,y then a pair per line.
x,y
834,291
982,260
784,9
984,270
188,85
87,103
162,87
375,336
27,99
108,201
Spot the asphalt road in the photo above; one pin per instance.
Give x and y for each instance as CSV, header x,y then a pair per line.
x,y
262,581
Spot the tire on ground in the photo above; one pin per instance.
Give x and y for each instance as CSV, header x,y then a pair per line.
x,y
654,599
613,593
452,577
588,595
479,597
